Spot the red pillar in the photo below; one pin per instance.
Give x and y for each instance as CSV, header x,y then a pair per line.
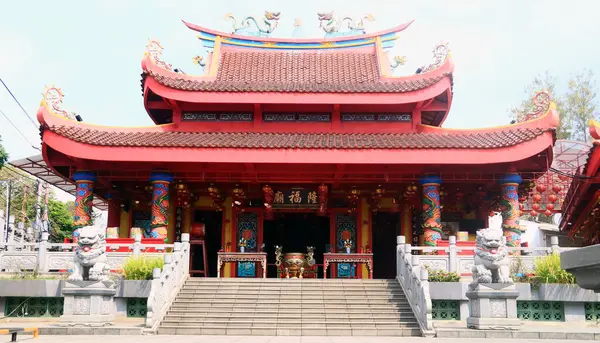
x,y
510,210
114,217
160,204
84,195
432,213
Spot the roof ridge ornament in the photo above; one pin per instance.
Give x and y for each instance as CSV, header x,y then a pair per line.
x,y
53,97
441,52
270,21
540,105
155,50
332,24
398,61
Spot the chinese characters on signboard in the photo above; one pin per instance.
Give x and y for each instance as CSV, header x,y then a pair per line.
x,y
295,198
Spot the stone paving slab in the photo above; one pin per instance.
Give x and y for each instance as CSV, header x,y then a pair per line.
x,y
260,339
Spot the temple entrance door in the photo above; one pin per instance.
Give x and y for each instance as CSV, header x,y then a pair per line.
x,y
296,231
213,223
386,226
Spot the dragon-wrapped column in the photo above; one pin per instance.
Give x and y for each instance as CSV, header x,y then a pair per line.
x,y
509,203
432,222
84,196
160,204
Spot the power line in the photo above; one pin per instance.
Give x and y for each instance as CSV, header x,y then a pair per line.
x,y
18,103
19,131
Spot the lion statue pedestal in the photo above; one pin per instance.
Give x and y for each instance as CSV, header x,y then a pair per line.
x,y
89,294
492,294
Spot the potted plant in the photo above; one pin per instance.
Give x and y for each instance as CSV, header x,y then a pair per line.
x,y
242,244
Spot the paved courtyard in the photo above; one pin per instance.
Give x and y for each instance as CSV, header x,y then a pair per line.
x,y
258,339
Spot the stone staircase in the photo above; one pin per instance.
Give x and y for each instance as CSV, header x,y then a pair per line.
x,y
290,307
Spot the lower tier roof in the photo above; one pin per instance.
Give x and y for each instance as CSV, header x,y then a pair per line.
x,y
249,140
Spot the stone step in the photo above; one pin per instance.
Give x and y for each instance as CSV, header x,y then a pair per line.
x,y
290,301
288,306
275,313
362,318
351,298
290,323
289,331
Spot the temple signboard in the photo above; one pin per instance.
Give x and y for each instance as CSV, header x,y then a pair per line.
x,y
295,198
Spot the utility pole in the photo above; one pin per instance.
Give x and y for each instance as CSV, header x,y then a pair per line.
x,y
38,211
7,212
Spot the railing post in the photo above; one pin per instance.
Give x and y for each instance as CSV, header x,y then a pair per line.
x,y
554,245
452,254
185,245
42,263
137,245
416,264
400,242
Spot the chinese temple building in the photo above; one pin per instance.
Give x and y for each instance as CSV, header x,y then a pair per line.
x,y
300,143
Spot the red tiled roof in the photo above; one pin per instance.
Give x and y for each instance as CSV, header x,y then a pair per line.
x,y
267,71
250,140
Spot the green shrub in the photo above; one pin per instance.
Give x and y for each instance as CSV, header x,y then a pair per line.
x,y
547,270
140,268
442,275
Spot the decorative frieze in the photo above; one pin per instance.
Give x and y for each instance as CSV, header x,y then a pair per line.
x,y
378,117
296,117
218,116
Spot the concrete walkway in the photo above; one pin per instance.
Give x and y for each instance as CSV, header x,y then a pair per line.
x,y
259,339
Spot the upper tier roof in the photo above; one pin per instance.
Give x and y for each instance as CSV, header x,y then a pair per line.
x,y
318,70
307,72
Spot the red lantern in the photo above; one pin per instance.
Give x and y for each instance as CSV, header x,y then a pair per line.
x,y
550,207
556,188
552,198
535,207
541,188
521,206
547,213
537,198
533,213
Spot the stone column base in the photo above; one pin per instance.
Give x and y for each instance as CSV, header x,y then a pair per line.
x,y
88,303
493,306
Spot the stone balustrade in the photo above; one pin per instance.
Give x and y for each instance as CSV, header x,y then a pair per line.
x,y
46,257
452,261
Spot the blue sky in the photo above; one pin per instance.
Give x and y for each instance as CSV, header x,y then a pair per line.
x,y
93,49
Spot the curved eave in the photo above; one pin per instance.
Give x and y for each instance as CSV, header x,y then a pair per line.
x,y
47,118
516,153
209,36
548,120
425,94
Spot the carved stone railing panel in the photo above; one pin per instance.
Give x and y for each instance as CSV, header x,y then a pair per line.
x,y
13,261
413,280
167,283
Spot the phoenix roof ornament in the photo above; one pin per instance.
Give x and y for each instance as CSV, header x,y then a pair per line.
x,y
53,97
332,25
270,21
154,49
441,52
540,103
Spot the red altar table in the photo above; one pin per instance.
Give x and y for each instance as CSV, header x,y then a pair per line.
x,y
364,258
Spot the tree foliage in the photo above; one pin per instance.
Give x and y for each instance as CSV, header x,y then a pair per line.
x,y
60,214
3,155
575,107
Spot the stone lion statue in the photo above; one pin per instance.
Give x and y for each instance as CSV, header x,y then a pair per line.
x,y
491,258
90,256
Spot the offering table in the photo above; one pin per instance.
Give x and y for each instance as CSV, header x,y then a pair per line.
x,y
362,258
224,257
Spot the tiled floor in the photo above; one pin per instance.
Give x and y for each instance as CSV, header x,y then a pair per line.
x,y
258,339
